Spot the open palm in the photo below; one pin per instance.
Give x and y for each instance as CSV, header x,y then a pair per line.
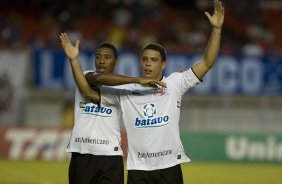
x,y
70,50
217,18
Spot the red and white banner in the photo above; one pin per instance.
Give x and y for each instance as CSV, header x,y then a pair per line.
x,y
34,143
31,143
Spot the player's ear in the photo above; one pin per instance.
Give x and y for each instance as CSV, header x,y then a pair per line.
x,y
116,62
163,65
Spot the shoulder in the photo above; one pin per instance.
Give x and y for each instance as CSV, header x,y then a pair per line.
x,y
173,76
124,86
187,73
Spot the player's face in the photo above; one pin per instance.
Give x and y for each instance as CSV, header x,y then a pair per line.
x,y
105,60
152,65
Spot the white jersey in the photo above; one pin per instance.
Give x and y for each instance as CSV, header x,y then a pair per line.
x,y
96,129
151,117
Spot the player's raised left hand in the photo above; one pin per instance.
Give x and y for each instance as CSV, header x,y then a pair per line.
x,y
217,18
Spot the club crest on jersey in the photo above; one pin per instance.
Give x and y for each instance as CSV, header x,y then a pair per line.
x,y
149,110
151,119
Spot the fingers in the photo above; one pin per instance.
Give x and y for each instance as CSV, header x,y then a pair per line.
x,y
64,39
162,84
218,14
154,83
222,10
158,84
77,43
218,7
208,15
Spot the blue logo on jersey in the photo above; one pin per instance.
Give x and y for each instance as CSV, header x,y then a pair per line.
x,y
150,112
97,111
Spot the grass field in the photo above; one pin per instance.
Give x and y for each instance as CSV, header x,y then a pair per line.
x,y
49,172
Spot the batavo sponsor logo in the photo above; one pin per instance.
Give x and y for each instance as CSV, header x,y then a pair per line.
x,y
246,148
150,111
94,109
154,155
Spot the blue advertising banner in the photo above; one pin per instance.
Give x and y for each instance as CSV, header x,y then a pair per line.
x,y
230,75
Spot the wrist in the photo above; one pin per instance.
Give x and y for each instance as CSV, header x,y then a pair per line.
x,y
74,63
138,80
72,60
216,29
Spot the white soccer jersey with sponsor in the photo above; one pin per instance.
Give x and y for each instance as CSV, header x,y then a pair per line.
x,y
151,117
96,129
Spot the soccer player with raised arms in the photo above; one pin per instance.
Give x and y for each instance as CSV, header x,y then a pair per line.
x,y
151,116
95,142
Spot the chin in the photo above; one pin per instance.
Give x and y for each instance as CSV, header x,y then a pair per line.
x,y
148,76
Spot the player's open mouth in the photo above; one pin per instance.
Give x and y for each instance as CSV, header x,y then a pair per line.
x,y
147,71
102,68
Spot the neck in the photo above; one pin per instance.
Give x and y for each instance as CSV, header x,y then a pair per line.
x,y
158,78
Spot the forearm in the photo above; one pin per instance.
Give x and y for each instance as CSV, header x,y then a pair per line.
x,y
209,59
110,79
212,48
82,83
211,53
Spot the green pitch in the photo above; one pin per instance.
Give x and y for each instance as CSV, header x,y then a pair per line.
x,y
50,172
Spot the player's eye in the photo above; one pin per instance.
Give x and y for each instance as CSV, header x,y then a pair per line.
x,y
155,59
108,57
144,59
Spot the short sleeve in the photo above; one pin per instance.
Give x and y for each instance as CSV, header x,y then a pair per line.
x,y
184,81
88,71
109,95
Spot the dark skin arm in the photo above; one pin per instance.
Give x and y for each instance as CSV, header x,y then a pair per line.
x,y
110,79
105,79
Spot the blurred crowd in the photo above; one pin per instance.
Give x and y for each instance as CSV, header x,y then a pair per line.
x,y
181,26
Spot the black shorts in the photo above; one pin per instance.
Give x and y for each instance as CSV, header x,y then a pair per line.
x,y
171,175
94,169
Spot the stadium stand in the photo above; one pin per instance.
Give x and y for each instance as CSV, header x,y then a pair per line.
x,y
36,24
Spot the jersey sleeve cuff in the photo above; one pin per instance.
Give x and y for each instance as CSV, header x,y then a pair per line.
x,y
201,80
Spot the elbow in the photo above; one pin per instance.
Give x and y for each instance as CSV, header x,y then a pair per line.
x,y
90,94
96,78
209,66
93,97
209,63
86,93
92,80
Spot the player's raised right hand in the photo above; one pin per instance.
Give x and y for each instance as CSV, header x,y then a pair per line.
x,y
70,50
152,83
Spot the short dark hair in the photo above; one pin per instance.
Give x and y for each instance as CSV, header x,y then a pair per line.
x,y
110,46
156,47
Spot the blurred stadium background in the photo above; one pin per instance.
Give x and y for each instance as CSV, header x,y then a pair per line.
x,y
231,124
